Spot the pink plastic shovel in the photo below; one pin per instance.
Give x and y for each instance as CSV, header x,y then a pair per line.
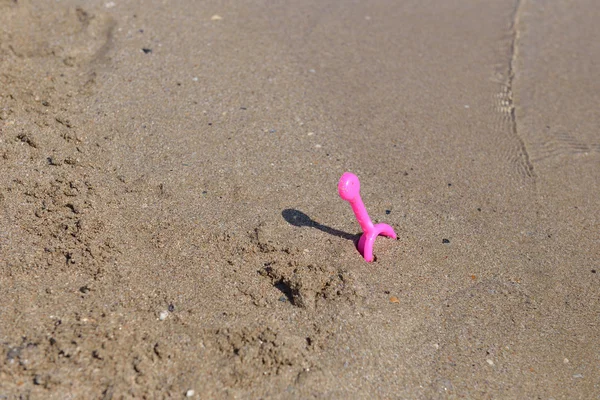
x,y
349,190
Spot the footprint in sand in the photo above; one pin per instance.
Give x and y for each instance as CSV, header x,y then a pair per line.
x,y
73,35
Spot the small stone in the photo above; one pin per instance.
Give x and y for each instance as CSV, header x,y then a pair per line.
x,y
216,18
190,393
490,361
394,299
13,353
163,315
445,241
146,50
171,308
578,376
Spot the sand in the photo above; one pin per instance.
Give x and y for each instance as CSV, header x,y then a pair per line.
x,y
170,224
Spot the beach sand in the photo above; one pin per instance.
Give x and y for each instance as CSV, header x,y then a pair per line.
x,y
169,218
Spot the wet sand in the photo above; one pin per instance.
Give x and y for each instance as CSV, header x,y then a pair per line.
x,y
169,218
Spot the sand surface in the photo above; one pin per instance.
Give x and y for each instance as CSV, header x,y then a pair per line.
x,y
169,216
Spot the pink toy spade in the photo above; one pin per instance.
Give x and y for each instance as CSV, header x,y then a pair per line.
x,y
349,190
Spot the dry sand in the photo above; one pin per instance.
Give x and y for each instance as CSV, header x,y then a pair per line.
x,y
170,222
